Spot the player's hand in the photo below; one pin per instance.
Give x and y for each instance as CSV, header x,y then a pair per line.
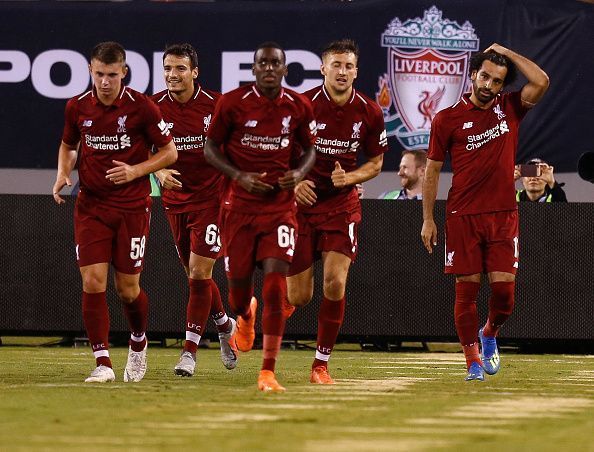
x,y
339,176
290,179
429,235
546,174
121,173
61,182
496,48
517,173
305,194
253,183
167,179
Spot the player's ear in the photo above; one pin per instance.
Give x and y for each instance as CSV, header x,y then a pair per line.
x,y
125,69
253,68
473,75
195,73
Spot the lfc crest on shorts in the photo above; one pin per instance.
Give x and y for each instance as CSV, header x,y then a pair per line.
x,y
427,72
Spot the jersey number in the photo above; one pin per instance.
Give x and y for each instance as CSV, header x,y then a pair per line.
x,y
212,236
137,247
286,236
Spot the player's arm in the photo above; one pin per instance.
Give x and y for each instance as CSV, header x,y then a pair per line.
x,y
430,184
251,182
367,171
67,155
123,173
292,177
538,80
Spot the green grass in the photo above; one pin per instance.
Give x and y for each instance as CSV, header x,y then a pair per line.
x,y
413,401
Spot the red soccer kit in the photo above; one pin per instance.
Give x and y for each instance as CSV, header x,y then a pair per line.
x,y
260,135
342,133
112,218
193,211
481,209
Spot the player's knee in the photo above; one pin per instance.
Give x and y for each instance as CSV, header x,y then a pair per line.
x,y
93,283
197,272
334,286
127,293
299,298
502,296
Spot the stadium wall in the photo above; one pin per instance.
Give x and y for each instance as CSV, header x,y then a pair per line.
x,y
396,290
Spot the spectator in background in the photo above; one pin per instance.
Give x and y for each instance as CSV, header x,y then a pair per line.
x,y
412,174
543,188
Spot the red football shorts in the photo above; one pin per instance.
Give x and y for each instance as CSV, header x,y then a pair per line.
x,y
322,232
105,234
482,243
248,239
196,231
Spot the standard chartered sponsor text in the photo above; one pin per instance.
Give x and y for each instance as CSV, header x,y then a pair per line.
x,y
476,141
188,142
262,142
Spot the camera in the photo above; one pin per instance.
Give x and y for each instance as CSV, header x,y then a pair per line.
x,y
531,170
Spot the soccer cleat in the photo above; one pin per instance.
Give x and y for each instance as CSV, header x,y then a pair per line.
x,y
186,365
475,372
267,382
288,309
489,353
228,346
245,335
101,374
320,376
136,365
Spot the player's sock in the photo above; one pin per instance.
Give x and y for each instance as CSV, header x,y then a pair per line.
x,y
239,300
96,320
501,305
466,319
137,315
270,347
217,311
197,312
330,319
274,291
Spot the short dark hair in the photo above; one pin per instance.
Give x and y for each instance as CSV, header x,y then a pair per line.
x,y
536,161
183,50
341,46
270,45
109,52
476,61
420,156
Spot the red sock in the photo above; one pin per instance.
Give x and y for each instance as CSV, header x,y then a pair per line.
x,y
96,320
330,319
239,300
137,315
270,348
274,291
466,319
197,312
501,305
217,311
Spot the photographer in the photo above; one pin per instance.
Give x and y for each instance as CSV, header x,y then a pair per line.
x,y
539,182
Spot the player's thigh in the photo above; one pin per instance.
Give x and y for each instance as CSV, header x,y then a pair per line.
x,y
240,240
200,266
463,246
178,222
300,287
93,234
94,277
502,248
276,236
336,270
339,232
205,238
131,240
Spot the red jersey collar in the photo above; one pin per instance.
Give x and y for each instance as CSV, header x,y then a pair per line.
x,y
468,105
197,90
330,99
116,103
260,94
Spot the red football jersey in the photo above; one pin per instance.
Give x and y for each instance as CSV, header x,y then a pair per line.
x,y
123,131
188,123
260,135
342,133
482,146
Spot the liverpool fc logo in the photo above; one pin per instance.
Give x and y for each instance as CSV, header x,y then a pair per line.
x,y
122,124
427,65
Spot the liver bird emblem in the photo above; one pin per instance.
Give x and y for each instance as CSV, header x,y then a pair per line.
x,y
428,105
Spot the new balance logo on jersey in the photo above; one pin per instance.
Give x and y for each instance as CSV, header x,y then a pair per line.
x,y
503,127
137,264
498,112
87,123
163,127
467,125
286,125
450,259
357,129
316,127
125,142
251,123
122,124
215,249
383,138
207,120
290,252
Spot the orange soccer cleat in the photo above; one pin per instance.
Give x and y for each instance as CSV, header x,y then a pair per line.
x,y
288,309
267,382
320,376
245,335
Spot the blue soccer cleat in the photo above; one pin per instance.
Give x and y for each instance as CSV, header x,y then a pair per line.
x,y
489,353
475,372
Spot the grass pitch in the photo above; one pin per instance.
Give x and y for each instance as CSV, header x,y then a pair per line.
x,y
382,402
